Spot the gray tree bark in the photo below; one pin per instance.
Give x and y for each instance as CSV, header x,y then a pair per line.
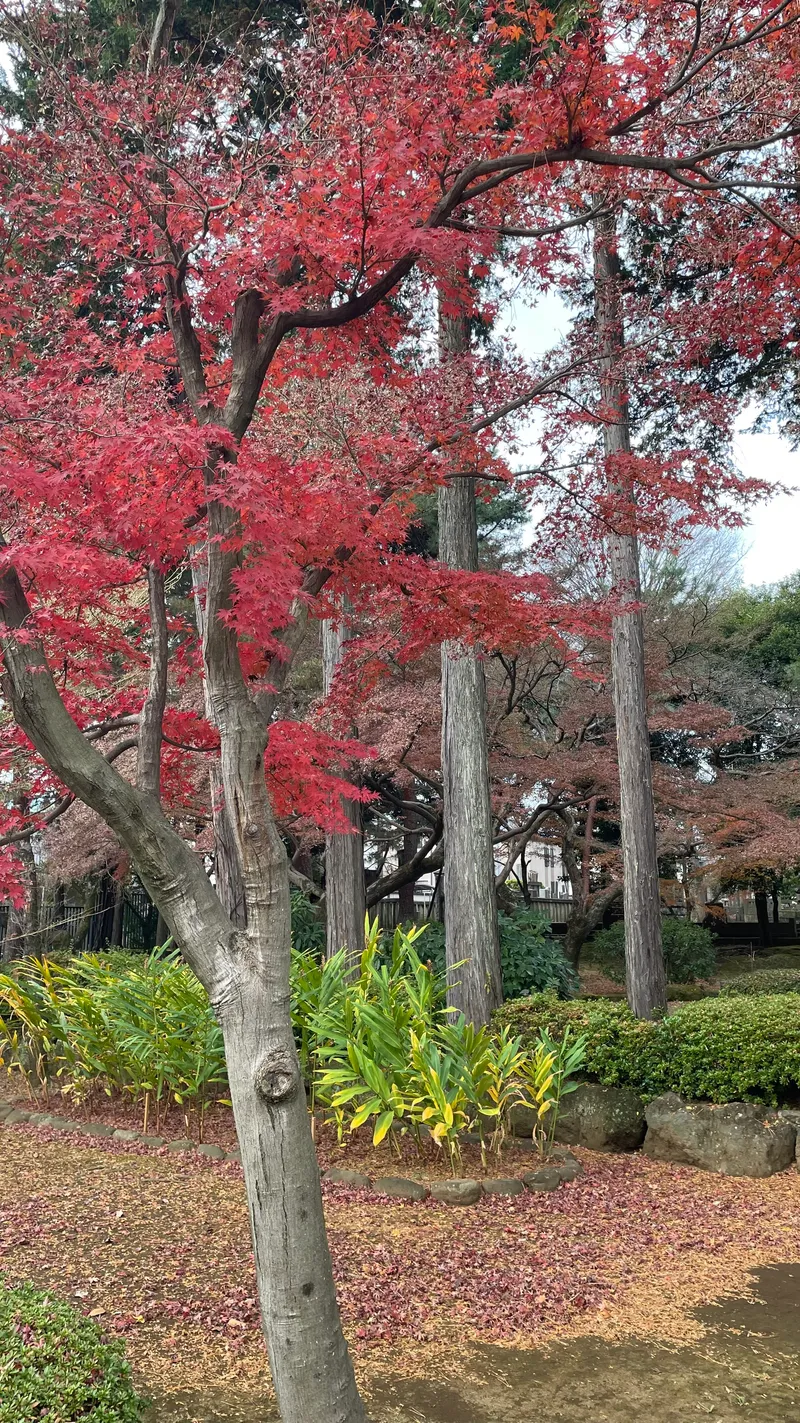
x,y
119,905
345,895
470,905
405,894
245,971
644,959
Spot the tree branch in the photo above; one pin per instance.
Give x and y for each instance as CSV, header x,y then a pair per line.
x,y
173,874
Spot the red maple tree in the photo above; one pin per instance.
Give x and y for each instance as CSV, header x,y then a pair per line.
x,y
173,264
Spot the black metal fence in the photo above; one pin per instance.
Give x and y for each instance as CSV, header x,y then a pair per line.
x,y
130,924
388,911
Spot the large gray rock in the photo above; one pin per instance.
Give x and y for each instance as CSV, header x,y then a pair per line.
x,y
457,1193
792,1115
503,1186
602,1118
737,1139
547,1178
399,1187
347,1178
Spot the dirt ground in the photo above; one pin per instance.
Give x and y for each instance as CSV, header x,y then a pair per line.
x,y
746,1365
581,1304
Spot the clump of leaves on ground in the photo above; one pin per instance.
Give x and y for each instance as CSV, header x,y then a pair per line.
x,y
720,1050
55,1365
689,951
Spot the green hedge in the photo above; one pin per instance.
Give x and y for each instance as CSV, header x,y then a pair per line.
x,y
689,951
55,1365
767,980
720,1050
531,960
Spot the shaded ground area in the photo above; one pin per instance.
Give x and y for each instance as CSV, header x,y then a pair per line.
x,y
156,1248
747,1365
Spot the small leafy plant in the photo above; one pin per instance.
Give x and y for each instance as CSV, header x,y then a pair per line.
x,y
388,1051
143,1028
54,1364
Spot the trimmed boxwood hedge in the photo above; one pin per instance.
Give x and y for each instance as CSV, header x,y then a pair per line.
x,y
765,980
55,1364
720,1050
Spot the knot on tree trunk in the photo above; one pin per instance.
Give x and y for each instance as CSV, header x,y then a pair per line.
x,y
277,1075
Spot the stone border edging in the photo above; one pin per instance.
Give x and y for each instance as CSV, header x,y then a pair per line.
x,y
453,1192
464,1191
20,1116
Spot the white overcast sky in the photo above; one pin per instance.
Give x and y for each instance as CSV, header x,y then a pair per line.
x,y
771,539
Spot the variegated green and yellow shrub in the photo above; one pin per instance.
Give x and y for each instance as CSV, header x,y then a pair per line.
x,y
376,1041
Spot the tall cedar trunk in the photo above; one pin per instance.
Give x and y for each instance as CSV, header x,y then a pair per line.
x,y
762,915
405,895
644,959
345,899
119,905
470,905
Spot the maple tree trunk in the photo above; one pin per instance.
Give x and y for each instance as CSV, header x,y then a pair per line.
x,y
311,1368
345,896
644,959
227,871
470,904
244,970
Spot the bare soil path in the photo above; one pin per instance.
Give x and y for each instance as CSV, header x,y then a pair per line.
x,y
565,1306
